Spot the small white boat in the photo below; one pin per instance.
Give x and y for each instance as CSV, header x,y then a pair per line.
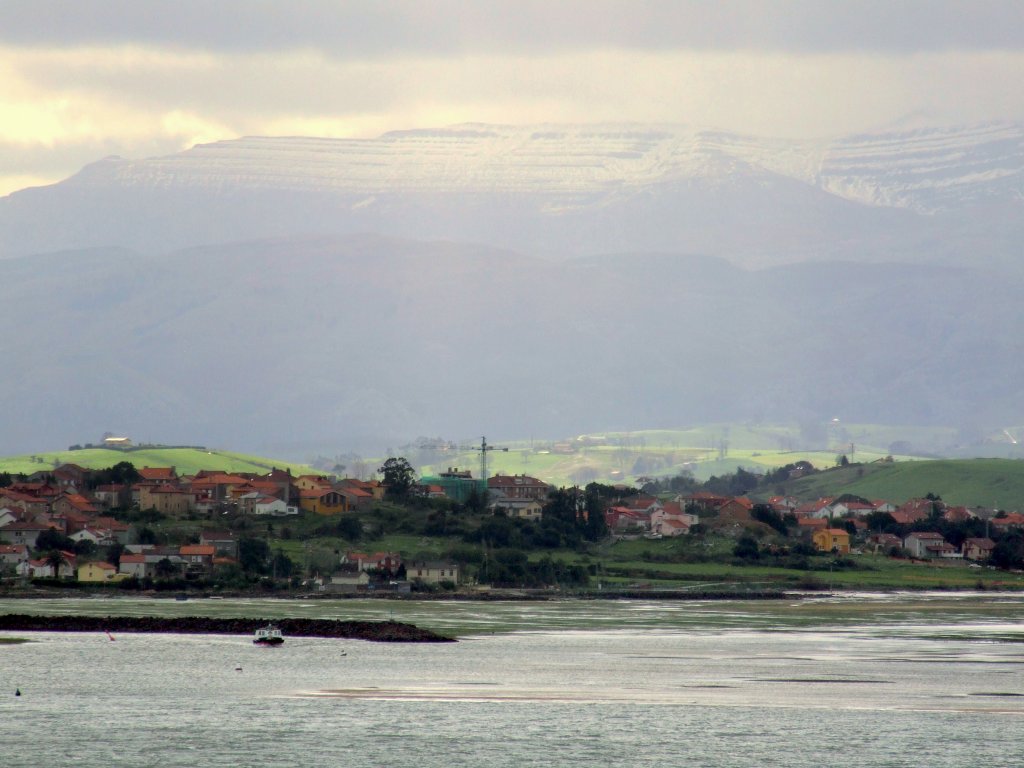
x,y
268,635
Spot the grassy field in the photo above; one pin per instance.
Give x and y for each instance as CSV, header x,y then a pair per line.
x,y
185,460
997,483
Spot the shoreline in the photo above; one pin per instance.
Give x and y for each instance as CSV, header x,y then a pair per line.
x,y
374,631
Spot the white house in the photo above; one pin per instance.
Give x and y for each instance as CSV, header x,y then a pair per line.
x,y
924,544
269,505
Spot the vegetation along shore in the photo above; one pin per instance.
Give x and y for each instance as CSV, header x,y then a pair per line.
x,y
377,631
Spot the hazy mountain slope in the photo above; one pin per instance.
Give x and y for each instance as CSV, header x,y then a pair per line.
x,y
294,345
942,195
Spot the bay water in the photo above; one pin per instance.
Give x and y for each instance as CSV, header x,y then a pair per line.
x,y
867,680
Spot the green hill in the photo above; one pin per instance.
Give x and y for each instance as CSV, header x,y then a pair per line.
x,y
185,460
995,483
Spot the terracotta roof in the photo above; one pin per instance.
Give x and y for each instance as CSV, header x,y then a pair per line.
x,y
197,549
157,473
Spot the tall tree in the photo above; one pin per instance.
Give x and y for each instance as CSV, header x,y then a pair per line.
x,y
398,476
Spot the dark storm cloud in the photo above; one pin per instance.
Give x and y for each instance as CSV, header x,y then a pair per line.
x,y
382,28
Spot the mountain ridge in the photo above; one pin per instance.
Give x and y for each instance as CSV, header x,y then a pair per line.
x,y
925,195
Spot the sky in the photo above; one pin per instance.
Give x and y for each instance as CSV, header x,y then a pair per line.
x,y
138,78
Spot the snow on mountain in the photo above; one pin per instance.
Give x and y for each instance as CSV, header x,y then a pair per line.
x,y
918,195
923,169
929,169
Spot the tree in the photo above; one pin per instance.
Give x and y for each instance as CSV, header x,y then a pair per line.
x,y
52,539
350,527
596,527
165,569
253,555
114,552
55,559
746,548
398,476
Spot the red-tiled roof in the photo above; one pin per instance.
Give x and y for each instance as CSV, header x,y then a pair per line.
x,y
157,473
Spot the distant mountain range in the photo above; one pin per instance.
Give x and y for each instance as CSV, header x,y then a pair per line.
x,y
292,296
938,195
293,346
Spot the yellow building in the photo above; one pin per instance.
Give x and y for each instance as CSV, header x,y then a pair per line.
x,y
832,540
323,501
97,572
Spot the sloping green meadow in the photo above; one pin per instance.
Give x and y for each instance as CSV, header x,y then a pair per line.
x,y
184,460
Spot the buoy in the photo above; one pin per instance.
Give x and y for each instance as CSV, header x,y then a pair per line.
x,y
17,691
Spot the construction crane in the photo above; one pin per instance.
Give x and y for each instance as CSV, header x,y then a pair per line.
x,y
484,449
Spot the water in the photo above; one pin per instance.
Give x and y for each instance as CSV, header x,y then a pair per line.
x,y
879,680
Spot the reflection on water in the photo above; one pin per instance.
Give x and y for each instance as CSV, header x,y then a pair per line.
x,y
727,684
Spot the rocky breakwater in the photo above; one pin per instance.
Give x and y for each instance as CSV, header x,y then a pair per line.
x,y
377,631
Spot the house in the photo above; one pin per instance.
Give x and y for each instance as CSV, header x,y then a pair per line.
x,y
218,485
158,475
671,520
518,487
43,568
132,565
98,536
522,509
884,542
432,572
270,505
915,510
70,476
670,527
313,482
373,488
223,542
925,544
23,533
978,548
32,505
384,561
13,554
198,557
323,502
10,515
155,555
858,509
783,504
1012,520
348,581
97,572
621,519
112,495
809,525
832,540
429,491
170,500
822,508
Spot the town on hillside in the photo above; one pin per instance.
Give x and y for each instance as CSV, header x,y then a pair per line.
x,y
152,527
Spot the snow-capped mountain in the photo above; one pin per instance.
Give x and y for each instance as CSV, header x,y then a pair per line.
x,y
928,193
925,169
